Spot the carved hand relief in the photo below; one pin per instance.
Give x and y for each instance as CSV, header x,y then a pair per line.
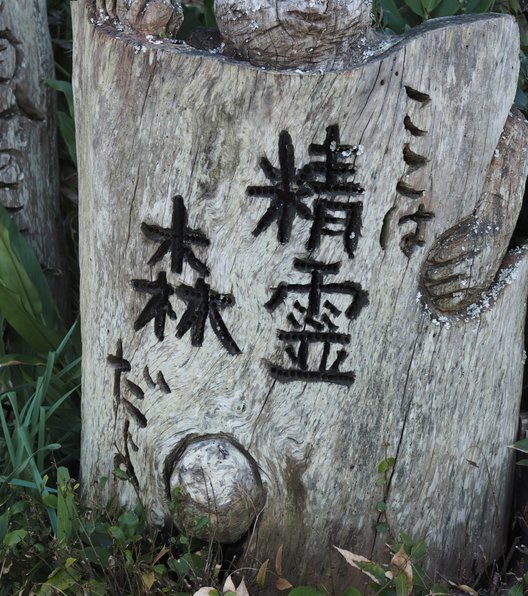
x,y
463,262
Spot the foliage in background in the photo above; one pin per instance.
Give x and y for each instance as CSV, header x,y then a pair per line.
x,y
39,372
197,13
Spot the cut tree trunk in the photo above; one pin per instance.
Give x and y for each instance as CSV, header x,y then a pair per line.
x,y
29,181
288,277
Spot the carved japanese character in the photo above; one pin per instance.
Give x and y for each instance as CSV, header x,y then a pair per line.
x,y
316,288
158,307
178,239
330,177
203,303
299,358
417,238
327,223
324,329
287,191
120,365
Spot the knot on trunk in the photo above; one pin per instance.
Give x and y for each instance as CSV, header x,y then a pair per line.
x,y
214,477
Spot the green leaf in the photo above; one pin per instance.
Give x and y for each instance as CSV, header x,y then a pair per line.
x,y
478,6
383,466
4,524
22,274
420,579
201,522
129,523
447,8
97,555
18,507
305,591
418,550
351,592
386,464
62,579
209,14
64,87
13,538
23,319
522,462
382,527
121,474
374,570
407,542
416,7
381,506
392,16
516,590
66,509
430,5
117,533
67,130
400,583
521,445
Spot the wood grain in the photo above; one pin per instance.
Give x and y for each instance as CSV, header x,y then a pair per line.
x,y
241,145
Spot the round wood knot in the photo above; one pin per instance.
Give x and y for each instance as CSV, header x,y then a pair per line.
x,y
306,34
214,477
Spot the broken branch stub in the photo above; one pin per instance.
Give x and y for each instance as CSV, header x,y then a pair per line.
x,y
307,34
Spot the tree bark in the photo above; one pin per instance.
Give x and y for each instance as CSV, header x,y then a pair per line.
x,y
29,181
287,277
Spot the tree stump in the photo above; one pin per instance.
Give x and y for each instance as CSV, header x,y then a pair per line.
x,y
29,181
289,275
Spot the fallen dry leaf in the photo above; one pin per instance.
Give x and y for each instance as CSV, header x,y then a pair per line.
x,y
353,559
242,590
283,584
401,563
229,585
261,575
467,589
278,560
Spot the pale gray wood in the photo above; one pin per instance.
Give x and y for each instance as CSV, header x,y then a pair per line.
x,y
311,35
437,385
28,142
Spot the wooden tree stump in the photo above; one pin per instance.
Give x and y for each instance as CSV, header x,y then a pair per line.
x,y
288,276
29,183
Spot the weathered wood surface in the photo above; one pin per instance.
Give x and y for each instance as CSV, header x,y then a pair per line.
x,y
432,378
29,185
149,17
296,33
